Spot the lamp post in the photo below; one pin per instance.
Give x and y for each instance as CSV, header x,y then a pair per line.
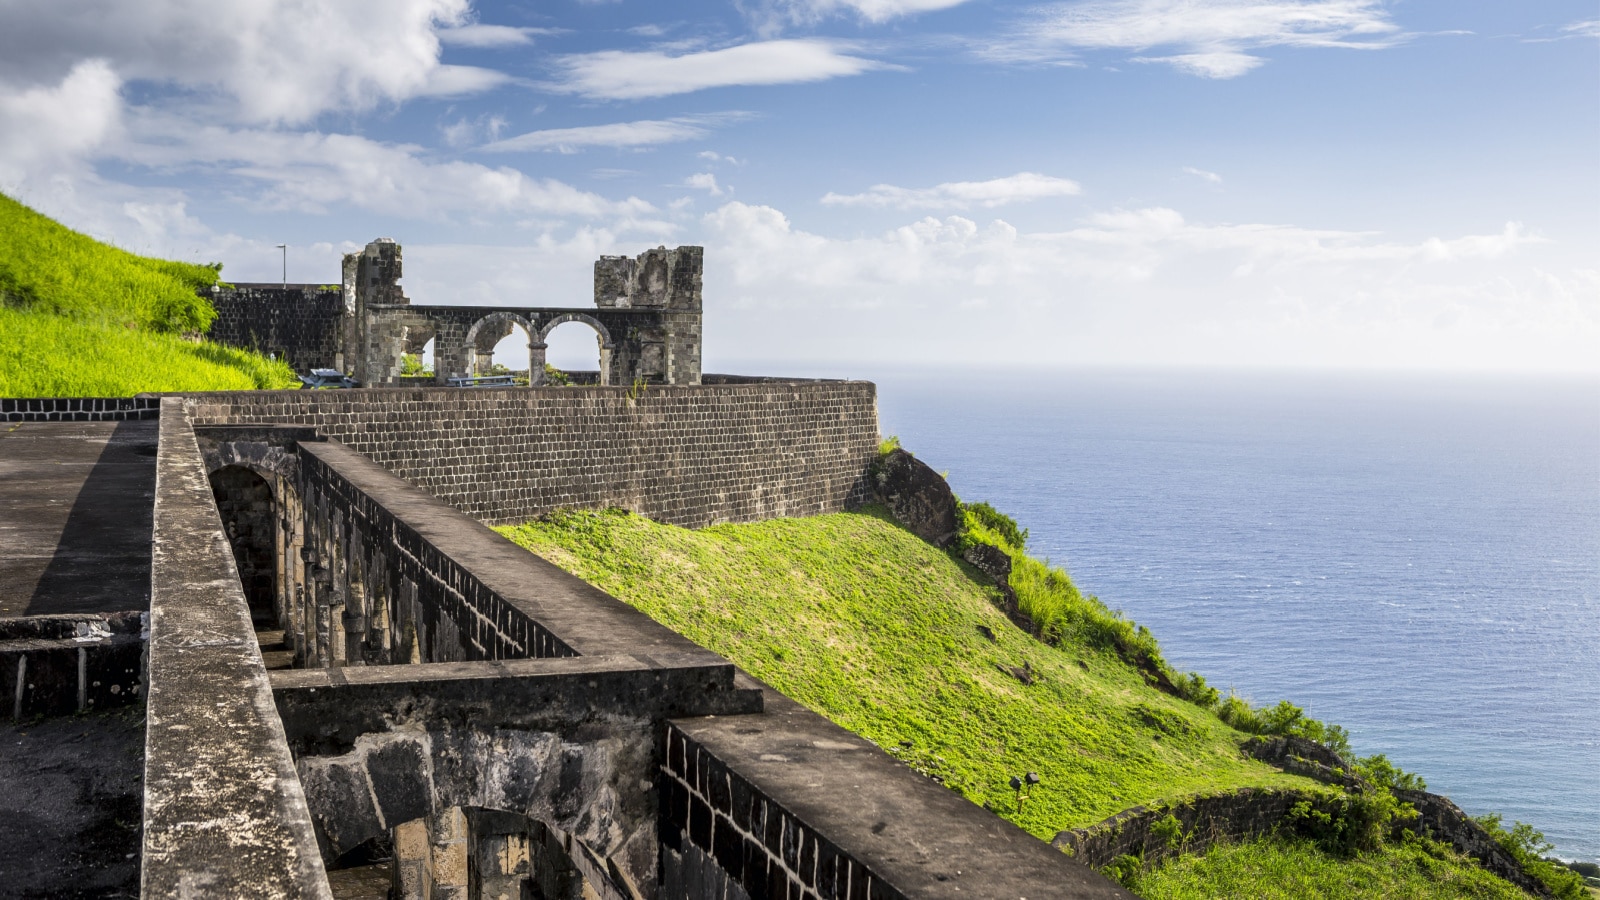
x,y
285,249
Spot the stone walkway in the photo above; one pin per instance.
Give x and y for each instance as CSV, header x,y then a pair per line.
x,y
75,516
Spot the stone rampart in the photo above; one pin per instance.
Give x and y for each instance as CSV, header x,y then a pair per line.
x,y
687,455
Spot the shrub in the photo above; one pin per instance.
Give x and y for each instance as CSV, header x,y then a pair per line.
x,y
1378,770
888,445
1003,526
1527,846
1348,823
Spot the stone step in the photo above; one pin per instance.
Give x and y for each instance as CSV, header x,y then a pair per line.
x,y
278,659
271,640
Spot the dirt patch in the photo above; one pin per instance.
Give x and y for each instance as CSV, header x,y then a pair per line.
x,y
71,806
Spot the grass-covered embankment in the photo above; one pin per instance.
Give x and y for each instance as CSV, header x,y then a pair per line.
x,y
1278,869
82,318
880,632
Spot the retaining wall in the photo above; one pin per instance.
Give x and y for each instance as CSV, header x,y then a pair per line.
x,y
78,409
686,455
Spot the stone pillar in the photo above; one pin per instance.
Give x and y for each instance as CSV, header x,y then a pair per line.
x,y
536,358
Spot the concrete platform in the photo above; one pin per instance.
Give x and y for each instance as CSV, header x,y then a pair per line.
x,y
76,501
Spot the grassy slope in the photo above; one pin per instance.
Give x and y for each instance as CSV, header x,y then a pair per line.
x,y
1297,870
81,318
866,624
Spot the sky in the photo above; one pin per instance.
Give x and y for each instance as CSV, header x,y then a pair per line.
x,y
940,183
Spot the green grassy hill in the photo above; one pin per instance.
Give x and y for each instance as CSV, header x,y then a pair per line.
x,y
893,639
82,318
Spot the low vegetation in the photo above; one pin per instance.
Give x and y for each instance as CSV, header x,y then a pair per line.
x,y
82,318
870,626
1297,869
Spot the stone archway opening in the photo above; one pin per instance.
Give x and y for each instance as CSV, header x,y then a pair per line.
x,y
249,516
576,352
501,334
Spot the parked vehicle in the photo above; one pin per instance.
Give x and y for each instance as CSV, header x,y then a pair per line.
x,y
327,378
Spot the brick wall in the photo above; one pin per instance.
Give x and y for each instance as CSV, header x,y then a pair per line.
x,y
78,409
687,455
301,323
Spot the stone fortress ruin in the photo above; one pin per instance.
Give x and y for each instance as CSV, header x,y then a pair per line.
x,y
646,321
352,687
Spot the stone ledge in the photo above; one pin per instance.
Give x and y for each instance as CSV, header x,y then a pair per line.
x,y
910,836
224,813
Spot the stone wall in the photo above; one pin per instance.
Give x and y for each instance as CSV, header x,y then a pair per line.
x,y
300,323
1242,815
690,456
79,409
64,664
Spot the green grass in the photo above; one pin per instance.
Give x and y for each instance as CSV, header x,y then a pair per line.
x,y
873,628
82,318
1298,870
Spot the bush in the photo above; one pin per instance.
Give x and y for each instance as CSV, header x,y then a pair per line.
x,y
1350,822
998,523
1283,719
1378,770
1527,846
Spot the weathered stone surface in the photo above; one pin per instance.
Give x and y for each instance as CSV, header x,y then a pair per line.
x,y
1442,820
1241,815
224,812
917,497
818,806
1301,756
400,782
76,505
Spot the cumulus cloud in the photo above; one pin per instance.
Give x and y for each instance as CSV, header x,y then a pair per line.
x,y
637,75
1019,188
1211,40
270,61
641,133
52,127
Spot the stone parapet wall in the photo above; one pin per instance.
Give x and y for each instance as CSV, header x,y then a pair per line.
x,y
79,409
686,455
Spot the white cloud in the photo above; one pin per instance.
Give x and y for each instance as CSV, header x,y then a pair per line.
x,y
489,36
314,172
1147,286
773,15
269,60
50,128
1212,39
1591,28
642,133
704,181
713,156
454,81
636,75
1019,188
1202,174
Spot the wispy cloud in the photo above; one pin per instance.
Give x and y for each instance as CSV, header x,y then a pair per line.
x,y
1019,188
704,181
641,133
771,16
1212,40
1202,174
491,36
637,75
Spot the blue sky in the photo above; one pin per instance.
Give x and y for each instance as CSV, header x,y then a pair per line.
x,y
1322,183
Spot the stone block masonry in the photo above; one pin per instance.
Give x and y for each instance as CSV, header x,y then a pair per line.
x,y
685,455
300,323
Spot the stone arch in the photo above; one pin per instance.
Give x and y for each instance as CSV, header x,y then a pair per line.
x,y
488,331
248,507
536,356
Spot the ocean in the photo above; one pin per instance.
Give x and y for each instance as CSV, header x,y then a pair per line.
x,y
1414,557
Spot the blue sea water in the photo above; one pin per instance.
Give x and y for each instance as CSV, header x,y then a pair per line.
x,y
1416,558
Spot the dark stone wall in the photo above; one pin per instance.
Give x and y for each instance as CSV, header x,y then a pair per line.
x,y
65,664
687,455
78,409
301,323
720,837
245,502
1242,815
375,591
